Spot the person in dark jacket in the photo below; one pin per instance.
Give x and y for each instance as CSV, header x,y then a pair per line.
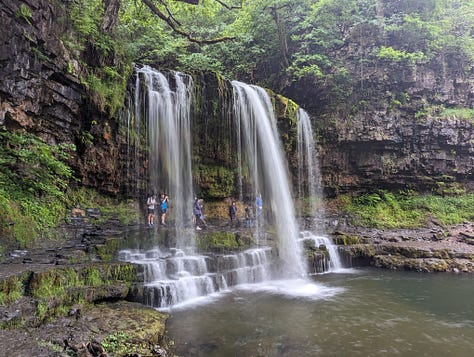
x,y
233,214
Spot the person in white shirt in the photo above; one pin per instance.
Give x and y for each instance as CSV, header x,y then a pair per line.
x,y
150,203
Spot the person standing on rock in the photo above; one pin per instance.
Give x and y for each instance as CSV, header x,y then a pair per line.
x,y
258,206
197,211
164,207
248,216
233,214
151,202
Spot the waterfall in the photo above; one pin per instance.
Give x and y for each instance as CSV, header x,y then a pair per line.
x,y
174,278
177,275
326,244
262,154
309,188
309,176
166,106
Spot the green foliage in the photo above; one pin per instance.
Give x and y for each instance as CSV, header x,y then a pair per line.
x,y
218,241
118,344
24,12
447,210
217,181
104,82
399,55
11,289
384,209
459,113
93,277
110,208
34,176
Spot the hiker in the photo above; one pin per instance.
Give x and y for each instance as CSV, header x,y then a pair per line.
x,y
248,216
197,211
233,214
164,207
151,202
258,205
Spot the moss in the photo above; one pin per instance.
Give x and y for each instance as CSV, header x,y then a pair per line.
x,y
131,329
93,277
57,290
216,181
287,118
223,241
12,288
121,272
346,239
361,251
107,252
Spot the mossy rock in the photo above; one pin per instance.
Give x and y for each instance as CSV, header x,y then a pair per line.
x,y
215,181
12,288
346,239
57,290
224,241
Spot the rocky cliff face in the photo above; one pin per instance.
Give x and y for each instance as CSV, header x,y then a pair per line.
x,y
393,151
399,127
41,91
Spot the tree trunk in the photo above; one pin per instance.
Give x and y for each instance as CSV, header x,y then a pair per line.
x,y
110,19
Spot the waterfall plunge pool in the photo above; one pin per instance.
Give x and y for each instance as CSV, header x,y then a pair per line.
x,y
363,312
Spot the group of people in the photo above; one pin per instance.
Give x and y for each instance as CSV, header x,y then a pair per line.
x,y
234,221
151,205
198,216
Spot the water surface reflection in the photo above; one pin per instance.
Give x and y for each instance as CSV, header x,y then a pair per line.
x,y
364,313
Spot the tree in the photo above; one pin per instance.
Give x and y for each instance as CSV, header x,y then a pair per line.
x,y
170,19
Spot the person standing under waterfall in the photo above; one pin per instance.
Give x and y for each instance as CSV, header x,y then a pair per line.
x,y
233,214
248,216
197,211
151,202
258,206
164,207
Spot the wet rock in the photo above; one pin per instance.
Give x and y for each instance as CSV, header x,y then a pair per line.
x,y
133,329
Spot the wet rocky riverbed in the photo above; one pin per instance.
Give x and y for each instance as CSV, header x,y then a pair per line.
x,y
70,297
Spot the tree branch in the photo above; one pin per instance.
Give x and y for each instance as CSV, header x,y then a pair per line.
x,y
173,23
229,7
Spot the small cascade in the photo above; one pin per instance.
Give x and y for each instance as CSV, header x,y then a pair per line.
x,y
309,175
325,256
174,277
330,262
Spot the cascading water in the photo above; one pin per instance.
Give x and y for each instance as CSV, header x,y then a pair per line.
x,y
309,184
177,275
332,263
263,156
167,114
309,176
171,278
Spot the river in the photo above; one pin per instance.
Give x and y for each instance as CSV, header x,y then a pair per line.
x,y
359,312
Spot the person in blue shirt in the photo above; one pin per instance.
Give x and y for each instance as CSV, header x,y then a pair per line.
x,y
258,205
164,207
